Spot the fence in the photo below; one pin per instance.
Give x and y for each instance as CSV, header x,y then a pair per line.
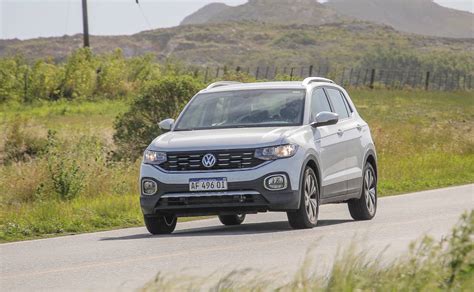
x,y
353,77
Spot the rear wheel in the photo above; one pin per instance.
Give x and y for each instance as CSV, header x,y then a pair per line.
x,y
160,224
232,219
307,215
365,207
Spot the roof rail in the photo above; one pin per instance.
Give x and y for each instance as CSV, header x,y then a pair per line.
x,y
222,83
310,80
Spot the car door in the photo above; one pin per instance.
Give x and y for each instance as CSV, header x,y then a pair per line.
x,y
330,145
342,129
355,156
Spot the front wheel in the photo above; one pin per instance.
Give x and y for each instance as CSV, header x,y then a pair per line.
x,y
307,215
230,220
160,224
365,207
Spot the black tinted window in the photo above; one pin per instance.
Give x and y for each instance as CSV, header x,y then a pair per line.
x,y
338,102
319,103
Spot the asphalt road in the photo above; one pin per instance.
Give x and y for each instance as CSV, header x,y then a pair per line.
x,y
126,259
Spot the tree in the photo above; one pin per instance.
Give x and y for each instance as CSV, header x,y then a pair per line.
x,y
162,99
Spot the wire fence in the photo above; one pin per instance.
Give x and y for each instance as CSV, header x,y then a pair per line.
x,y
351,77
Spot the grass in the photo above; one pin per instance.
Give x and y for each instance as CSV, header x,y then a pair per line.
x,y
424,141
447,265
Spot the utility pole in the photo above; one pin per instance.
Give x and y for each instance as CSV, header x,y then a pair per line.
x,y
85,23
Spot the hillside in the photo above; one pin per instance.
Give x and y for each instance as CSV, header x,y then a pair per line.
x,y
345,44
414,16
267,11
417,16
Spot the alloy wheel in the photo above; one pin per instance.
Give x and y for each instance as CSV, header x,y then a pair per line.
x,y
370,190
310,197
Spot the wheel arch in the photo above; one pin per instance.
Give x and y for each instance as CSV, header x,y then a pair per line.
x,y
370,157
312,162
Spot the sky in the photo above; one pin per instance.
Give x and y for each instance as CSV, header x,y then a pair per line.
x,y
24,19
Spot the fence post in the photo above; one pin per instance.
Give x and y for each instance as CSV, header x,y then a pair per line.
x,y
372,79
310,73
358,78
427,80
457,80
276,73
205,75
266,72
257,72
217,73
291,73
350,76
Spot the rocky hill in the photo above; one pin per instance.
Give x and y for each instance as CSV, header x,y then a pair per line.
x,y
415,16
267,11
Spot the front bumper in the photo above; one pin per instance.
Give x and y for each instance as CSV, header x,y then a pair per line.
x,y
245,194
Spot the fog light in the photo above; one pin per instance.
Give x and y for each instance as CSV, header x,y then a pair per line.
x,y
276,182
149,187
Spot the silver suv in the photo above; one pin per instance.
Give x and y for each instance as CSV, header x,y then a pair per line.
x,y
238,149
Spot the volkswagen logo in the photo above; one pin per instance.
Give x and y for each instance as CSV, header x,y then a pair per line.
x,y
209,160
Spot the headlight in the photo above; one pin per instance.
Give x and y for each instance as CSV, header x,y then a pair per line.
x,y
276,152
154,157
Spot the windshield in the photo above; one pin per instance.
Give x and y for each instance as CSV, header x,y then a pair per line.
x,y
244,108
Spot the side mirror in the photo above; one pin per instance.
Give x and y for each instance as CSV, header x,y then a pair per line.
x,y
166,125
325,119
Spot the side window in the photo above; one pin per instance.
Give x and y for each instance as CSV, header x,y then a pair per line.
x,y
338,102
349,108
319,103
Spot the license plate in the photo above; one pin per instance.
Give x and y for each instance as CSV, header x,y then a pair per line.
x,y
208,184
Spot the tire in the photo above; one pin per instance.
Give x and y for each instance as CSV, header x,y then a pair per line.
x,y
307,214
160,224
365,207
231,220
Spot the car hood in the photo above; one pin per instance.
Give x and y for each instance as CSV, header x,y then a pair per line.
x,y
235,138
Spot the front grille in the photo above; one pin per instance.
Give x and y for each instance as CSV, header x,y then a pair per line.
x,y
225,159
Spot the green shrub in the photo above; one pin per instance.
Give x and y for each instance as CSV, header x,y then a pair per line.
x,y
80,76
112,76
13,72
165,98
22,144
44,81
65,173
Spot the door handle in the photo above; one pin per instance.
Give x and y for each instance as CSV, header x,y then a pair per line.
x,y
359,127
340,132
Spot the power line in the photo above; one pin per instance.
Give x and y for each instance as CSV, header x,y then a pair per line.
x,y
143,15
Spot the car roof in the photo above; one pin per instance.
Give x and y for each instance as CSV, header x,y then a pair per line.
x,y
259,85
